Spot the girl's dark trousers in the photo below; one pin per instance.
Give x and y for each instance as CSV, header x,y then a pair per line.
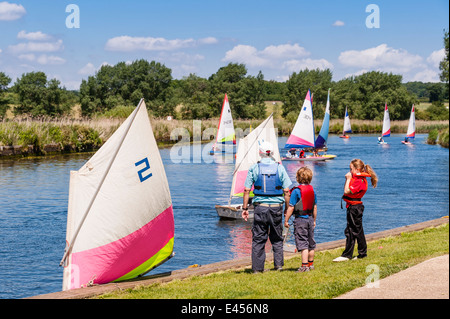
x,y
354,232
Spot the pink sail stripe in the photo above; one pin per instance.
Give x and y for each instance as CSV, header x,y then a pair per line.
x,y
103,265
411,135
240,181
295,140
388,132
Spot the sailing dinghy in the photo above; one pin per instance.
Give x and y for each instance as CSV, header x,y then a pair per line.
x,y
303,135
411,132
347,127
120,221
246,156
225,132
386,130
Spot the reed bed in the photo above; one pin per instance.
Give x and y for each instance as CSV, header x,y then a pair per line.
x,y
90,133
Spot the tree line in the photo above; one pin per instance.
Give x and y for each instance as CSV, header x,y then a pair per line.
x,y
194,97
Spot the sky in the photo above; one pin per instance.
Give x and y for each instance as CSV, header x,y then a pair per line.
x,y
71,40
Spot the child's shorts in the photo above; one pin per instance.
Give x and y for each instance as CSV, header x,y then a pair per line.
x,y
304,233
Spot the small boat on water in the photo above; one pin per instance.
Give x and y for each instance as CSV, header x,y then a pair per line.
x,y
411,132
303,135
347,127
386,130
120,222
246,156
226,136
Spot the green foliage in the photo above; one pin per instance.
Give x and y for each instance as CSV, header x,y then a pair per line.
x,y
432,136
366,95
443,138
37,96
126,84
4,82
298,85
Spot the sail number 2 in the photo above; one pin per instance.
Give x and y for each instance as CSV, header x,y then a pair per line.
x,y
142,172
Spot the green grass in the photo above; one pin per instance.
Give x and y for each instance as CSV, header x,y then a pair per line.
x,y
328,280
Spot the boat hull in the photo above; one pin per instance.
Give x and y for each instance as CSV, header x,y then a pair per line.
x,y
232,211
311,158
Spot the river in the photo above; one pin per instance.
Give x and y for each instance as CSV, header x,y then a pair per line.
x,y
413,187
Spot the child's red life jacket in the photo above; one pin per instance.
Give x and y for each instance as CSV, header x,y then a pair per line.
x,y
305,206
355,199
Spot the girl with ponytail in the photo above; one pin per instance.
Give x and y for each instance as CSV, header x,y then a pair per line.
x,y
354,189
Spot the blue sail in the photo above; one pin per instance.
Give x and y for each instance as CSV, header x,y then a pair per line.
x,y
322,138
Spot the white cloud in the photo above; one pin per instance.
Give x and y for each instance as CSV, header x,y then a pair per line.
x,y
88,69
127,43
436,57
311,64
289,57
50,60
11,11
338,23
36,47
246,54
427,75
33,36
42,59
382,58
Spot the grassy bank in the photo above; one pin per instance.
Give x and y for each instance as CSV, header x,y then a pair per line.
x,y
88,134
328,280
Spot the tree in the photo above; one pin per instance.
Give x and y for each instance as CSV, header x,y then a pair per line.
x,y
318,81
443,65
4,82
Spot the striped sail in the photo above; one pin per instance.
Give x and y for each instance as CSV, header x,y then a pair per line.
x,y
386,131
411,133
225,131
322,138
248,153
347,126
120,220
303,132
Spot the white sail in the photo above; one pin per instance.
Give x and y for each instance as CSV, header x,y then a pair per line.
x,y
411,133
386,131
347,126
303,132
120,217
225,131
248,153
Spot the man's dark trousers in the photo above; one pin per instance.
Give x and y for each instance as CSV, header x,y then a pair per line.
x,y
267,223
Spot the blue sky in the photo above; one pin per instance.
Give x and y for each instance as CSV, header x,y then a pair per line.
x,y
198,36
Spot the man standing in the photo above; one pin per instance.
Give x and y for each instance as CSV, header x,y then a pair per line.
x,y
271,189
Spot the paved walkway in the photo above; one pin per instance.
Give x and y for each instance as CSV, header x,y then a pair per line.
x,y
427,280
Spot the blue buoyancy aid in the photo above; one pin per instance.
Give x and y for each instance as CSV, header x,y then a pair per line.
x,y
268,182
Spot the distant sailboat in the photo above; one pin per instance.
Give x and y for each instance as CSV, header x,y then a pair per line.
x,y
347,127
386,130
303,136
246,156
411,132
120,221
225,131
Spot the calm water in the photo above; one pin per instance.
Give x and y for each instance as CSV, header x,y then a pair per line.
x,y
413,187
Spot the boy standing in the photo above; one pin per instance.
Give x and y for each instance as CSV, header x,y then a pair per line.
x,y
303,205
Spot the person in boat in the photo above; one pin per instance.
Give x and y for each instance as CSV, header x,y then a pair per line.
x,y
380,139
302,154
291,153
354,189
406,140
271,197
303,205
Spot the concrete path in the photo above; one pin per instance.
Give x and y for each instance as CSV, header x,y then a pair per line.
x,y
427,280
